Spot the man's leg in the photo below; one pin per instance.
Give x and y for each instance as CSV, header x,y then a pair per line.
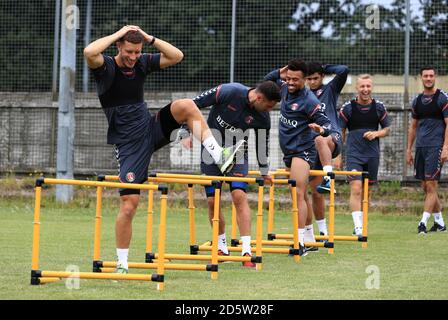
x,y
123,227
186,111
355,205
439,224
300,170
432,205
318,203
133,159
222,240
309,230
433,166
239,198
325,147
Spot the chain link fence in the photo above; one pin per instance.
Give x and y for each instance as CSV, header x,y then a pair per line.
x,y
368,37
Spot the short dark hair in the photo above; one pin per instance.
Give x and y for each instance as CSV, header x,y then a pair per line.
x,y
132,37
427,68
270,90
314,67
298,65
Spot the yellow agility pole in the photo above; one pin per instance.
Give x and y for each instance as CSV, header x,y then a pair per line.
x,y
365,211
215,230
285,236
149,220
271,209
199,177
259,227
97,236
331,215
43,276
234,224
110,265
36,229
191,215
286,243
162,237
295,222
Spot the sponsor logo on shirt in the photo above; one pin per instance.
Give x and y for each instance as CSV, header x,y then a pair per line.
x,y
224,124
288,122
130,177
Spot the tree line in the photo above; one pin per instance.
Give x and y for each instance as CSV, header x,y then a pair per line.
x,y
269,33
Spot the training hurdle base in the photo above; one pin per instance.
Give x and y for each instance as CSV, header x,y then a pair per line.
x,y
44,276
365,205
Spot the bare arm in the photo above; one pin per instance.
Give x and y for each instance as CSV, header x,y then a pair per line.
x,y
93,52
411,138
169,54
371,135
444,155
282,72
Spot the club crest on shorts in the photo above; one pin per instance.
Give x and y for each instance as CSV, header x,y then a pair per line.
x,y
249,119
130,177
294,106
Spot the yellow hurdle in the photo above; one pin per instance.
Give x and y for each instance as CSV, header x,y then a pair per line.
x,y
44,276
259,224
149,255
259,243
331,236
200,180
259,219
205,180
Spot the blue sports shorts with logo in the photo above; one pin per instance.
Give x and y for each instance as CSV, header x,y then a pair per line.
x,y
427,163
308,155
134,156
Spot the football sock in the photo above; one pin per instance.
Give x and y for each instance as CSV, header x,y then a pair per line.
x,y
212,146
439,219
322,225
222,243
245,242
122,255
425,218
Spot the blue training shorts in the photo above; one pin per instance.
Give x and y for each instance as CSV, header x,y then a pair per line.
x,y
427,163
